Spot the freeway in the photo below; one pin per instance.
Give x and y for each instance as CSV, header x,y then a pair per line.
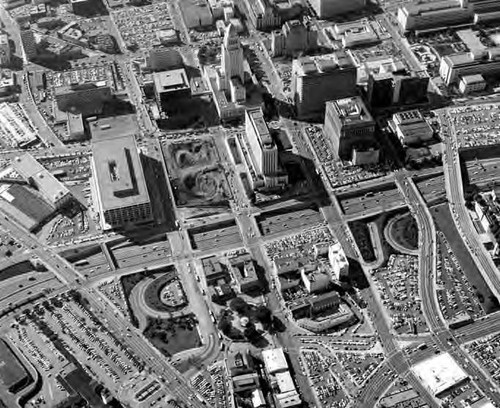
x,y
442,335
454,190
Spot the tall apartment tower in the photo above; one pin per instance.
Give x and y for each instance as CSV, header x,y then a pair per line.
x,y
29,43
232,55
264,150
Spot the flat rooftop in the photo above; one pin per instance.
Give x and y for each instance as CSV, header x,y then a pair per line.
x,y
118,169
30,169
11,370
256,117
168,81
351,110
323,63
439,373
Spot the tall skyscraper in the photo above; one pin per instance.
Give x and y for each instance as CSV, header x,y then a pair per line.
x,y
232,55
264,150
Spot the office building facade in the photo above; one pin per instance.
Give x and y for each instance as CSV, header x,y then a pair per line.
x,y
118,177
232,55
331,8
294,38
349,124
263,148
316,80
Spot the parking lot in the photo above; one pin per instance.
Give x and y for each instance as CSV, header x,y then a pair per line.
x,y
455,294
486,352
299,245
358,366
324,384
138,25
113,290
220,381
397,284
42,353
84,337
69,168
476,125
344,174
204,387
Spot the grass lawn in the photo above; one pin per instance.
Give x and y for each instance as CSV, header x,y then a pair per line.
x,y
363,239
18,269
445,223
153,291
405,231
171,336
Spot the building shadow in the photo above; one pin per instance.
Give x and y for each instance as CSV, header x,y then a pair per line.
x,y
159,193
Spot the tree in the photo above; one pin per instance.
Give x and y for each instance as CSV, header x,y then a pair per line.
x,y
239,306
263,315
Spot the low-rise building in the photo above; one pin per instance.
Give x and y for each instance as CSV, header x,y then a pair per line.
x,y
75,127
338,261
315,280
472,83
411,127
312,306
214,271
274,360
355,34
15,126
31,170
245,274
456,66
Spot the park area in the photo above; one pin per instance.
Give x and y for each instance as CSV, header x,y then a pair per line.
x,y
171,336
404,230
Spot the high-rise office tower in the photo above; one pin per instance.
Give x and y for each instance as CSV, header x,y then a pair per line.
x,y
316,80
264,150
232,55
